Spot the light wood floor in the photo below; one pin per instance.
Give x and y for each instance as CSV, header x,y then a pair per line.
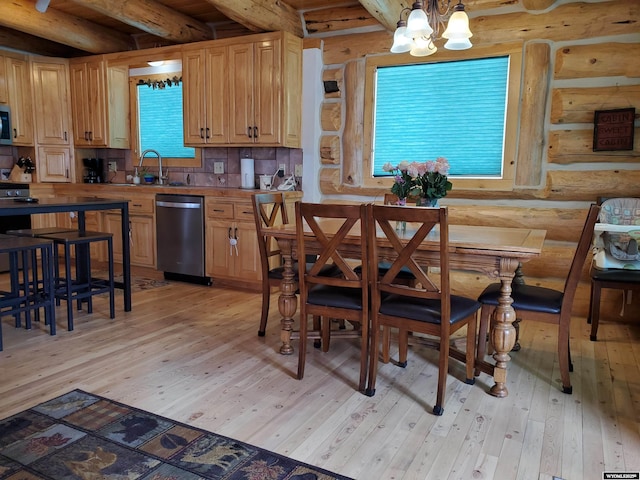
x,y
192,353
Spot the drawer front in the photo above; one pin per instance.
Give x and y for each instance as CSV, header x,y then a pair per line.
x,y
142,205
215,210
243,212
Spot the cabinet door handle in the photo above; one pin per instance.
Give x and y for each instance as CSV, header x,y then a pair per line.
x,y
249,132
235,233
65,136
15,133
208,136
90,136
255,131
229,234
202,133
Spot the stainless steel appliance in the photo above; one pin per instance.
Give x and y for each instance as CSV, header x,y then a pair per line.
x,y
180,237
9,192
6,134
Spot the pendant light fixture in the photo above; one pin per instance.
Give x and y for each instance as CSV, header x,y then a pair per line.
x,y
425,19
42,5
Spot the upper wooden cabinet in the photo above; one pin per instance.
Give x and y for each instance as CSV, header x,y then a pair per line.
x,y
243,91
265,81
99,104
51,98
204,96
19,96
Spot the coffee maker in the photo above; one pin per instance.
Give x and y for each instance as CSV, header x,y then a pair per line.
x,y
94,170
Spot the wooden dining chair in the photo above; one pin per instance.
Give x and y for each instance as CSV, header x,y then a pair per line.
x,y
426,306
544,304
269,209
344,296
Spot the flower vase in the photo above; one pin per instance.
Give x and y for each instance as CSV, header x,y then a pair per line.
x,y
427,202
401,226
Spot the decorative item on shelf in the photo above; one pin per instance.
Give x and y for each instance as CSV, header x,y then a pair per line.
x,y
161,84
425,19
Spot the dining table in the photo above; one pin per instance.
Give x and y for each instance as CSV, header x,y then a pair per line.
x,y
81,205
496,252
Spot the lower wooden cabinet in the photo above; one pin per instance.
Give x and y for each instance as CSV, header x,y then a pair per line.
x,y
232,253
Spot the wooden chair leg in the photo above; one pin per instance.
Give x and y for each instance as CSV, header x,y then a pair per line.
x,y
563,355
485,315
302,347
403,345
470,350
443,372
325,333
386,344
594,309
266,297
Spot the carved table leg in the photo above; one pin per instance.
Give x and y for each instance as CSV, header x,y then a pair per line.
x,y
288,301
503,335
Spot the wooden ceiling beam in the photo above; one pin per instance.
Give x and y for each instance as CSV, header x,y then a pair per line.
x,y
152,17
387,12
26,43
262,15
62,28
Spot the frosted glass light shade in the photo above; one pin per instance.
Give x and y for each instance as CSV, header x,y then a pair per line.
x,y
423,47
157,63
42,5
418,24
401,43
458,44
458,26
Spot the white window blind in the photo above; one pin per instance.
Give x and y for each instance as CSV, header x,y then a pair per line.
x,y
452,109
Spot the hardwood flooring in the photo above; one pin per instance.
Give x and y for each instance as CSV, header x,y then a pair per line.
x,y
192,353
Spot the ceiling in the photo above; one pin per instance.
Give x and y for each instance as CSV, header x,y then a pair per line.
x,y
72,28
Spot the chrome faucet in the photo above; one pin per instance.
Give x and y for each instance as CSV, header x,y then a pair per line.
x,y
161,177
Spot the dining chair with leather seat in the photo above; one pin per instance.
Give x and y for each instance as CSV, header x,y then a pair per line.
x,y
544,304
344,296
426,306
270,210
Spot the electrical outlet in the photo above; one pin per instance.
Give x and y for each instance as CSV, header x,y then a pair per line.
x,y
283,167
298,170
113,167
218,167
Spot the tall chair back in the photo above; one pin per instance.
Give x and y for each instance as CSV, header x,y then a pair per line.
x,y
321,233
426,305
269,209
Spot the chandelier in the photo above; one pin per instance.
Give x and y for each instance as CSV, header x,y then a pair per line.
x,y
426,18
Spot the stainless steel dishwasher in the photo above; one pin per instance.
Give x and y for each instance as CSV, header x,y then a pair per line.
x,y
180,237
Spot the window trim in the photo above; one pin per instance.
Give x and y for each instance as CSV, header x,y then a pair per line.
x,y
195,162
512,121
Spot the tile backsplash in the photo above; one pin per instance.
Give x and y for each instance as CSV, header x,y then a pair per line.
x,y
266,162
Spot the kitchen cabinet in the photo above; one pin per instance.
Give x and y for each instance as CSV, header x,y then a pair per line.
x,y
51,99
4,94
54,164
142,231
265,73
99,103
225,223
20,99
205,100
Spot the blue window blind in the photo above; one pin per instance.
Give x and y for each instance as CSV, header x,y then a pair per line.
x,y
160,121
454,110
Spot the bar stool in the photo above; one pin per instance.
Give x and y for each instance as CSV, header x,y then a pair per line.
x,y
83,286
27,292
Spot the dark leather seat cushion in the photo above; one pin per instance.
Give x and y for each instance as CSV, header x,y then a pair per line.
x,y
338,297
426,310
526,297
624,276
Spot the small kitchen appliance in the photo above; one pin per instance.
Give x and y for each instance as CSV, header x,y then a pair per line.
x,y
247,173
94,170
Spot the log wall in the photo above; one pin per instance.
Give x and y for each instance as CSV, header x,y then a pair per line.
x,y
578,57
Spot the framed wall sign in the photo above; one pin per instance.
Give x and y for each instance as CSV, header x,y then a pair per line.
x,y
613,129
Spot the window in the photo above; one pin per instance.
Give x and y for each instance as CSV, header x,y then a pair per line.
x,y
160,121
462,109
156,118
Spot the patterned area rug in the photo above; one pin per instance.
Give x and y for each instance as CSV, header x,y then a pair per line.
x,y
83,436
